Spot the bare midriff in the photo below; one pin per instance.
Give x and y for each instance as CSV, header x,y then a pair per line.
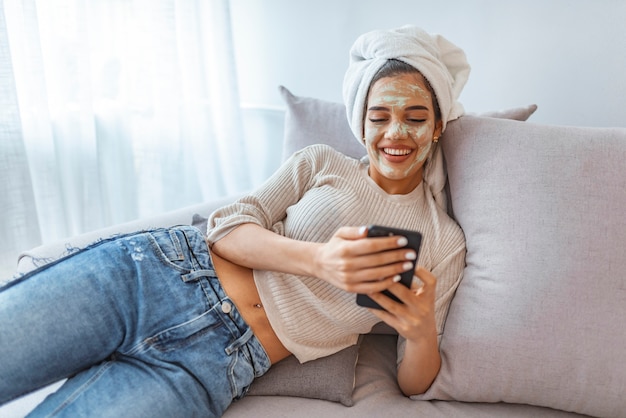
x,y
238,283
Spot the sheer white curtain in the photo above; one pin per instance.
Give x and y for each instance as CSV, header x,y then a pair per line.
x,y
113,110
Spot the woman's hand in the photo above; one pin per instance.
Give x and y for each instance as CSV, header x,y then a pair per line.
x,y
415,317
355,263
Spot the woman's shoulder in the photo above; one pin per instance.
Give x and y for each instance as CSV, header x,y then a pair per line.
x,y
322,155
324,149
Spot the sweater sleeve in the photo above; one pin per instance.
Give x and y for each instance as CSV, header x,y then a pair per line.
x,y
266,206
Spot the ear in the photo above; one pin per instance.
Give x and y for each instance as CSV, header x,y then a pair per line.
x,y
438,129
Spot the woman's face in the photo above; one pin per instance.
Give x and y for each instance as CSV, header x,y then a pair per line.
x,y
398,131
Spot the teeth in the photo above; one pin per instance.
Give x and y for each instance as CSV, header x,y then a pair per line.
x,y
394,151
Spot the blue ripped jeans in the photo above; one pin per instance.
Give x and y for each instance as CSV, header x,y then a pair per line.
x,y
140,325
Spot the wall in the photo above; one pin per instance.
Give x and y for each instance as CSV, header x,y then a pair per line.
x,y
567,56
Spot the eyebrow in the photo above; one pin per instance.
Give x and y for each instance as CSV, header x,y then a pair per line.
x,y
416,107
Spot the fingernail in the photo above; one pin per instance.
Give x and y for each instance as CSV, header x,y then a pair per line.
x,y
362,230
396,278
407,266
410,255
402,241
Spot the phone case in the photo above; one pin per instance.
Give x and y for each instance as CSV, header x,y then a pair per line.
x,y
414,242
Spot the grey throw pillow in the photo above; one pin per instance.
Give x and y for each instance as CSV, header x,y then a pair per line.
x,y
539,315
311,121
329,378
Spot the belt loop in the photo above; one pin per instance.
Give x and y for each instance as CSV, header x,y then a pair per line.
x,y
177,246
239,342
196,274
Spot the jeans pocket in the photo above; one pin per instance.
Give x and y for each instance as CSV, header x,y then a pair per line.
x,y
241,373
168,247
185,334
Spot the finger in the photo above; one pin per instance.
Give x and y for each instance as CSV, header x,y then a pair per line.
x,y
351,232
407,296
426,277
375,244
426,283
385,250
392,306
416,283
357,257
374,286
377,266
417,286
387,311
357,244
379,243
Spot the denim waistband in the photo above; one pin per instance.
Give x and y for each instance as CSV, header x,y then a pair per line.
x,y
174,242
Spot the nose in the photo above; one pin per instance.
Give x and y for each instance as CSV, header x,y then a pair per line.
x,y
397,130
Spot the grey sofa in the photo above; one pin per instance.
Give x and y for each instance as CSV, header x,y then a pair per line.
x,y
536,327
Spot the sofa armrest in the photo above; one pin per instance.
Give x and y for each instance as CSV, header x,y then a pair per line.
x,y
38,256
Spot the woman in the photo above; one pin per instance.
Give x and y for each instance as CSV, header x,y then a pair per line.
x,y
161,323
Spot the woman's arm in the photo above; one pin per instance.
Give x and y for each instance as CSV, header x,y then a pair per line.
x,y
349,260
419,320
415,321
423,356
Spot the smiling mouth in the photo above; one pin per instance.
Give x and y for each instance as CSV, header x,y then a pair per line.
x,y
396,151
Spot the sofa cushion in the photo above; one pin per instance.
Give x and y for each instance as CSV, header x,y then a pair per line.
x,y
330,378
539,315
311,121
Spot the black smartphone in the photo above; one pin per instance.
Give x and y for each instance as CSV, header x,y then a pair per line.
x,y
414,242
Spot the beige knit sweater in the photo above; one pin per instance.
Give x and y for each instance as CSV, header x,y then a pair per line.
x,y
314,193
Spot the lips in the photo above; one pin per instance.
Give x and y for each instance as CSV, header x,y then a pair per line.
x,y
397,151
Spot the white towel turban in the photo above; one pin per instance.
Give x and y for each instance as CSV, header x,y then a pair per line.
x,y
441,62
